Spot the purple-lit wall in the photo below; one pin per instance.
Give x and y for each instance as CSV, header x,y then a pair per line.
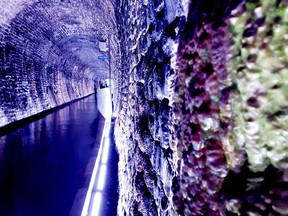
x,y
48,54
200,93
202,107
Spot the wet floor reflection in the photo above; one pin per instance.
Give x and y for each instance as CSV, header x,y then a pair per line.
x,y
42,164
102,196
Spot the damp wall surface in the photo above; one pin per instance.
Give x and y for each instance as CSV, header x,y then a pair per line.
x,y
202,107
146,160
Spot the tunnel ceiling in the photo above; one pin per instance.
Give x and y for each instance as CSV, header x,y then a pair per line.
x,y
85,49
49,53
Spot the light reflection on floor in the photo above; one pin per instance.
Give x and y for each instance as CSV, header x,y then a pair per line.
x,y
96,204
43,164
94,195
92,205
105,155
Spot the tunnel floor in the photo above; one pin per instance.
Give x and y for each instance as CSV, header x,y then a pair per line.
x,y
43,164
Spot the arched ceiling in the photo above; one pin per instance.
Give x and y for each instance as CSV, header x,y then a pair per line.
x,y
62,29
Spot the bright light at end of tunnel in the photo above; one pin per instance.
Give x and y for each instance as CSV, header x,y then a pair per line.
x,y
102,177
96,204
105,153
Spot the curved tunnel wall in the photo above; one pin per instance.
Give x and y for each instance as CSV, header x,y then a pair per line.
x,y
49,54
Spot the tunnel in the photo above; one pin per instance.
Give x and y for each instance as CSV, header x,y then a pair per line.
x,y
197,91
49,54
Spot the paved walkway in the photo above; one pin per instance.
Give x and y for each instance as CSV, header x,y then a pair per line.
x,y
46,165
102,195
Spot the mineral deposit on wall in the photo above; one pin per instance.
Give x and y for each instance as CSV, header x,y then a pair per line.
x,y
200,89
202,127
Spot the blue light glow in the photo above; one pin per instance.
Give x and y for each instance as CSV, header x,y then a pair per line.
x,y
102,177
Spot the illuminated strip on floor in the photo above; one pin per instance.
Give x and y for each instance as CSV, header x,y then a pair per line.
x,y
101,176
96,204
105,152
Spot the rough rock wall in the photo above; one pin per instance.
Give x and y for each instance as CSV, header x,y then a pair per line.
x,y
258,65
48,53
202,122
146,167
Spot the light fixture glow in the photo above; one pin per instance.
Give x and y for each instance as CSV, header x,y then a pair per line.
x,y
93,178
107,130
105,153
96,204
102,177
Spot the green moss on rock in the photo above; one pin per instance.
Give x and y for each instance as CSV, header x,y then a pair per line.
x,y
258,66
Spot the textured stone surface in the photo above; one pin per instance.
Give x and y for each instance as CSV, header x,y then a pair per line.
x,y
203,108
201,94
258,65
48,53
146,167
262,79
202,111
